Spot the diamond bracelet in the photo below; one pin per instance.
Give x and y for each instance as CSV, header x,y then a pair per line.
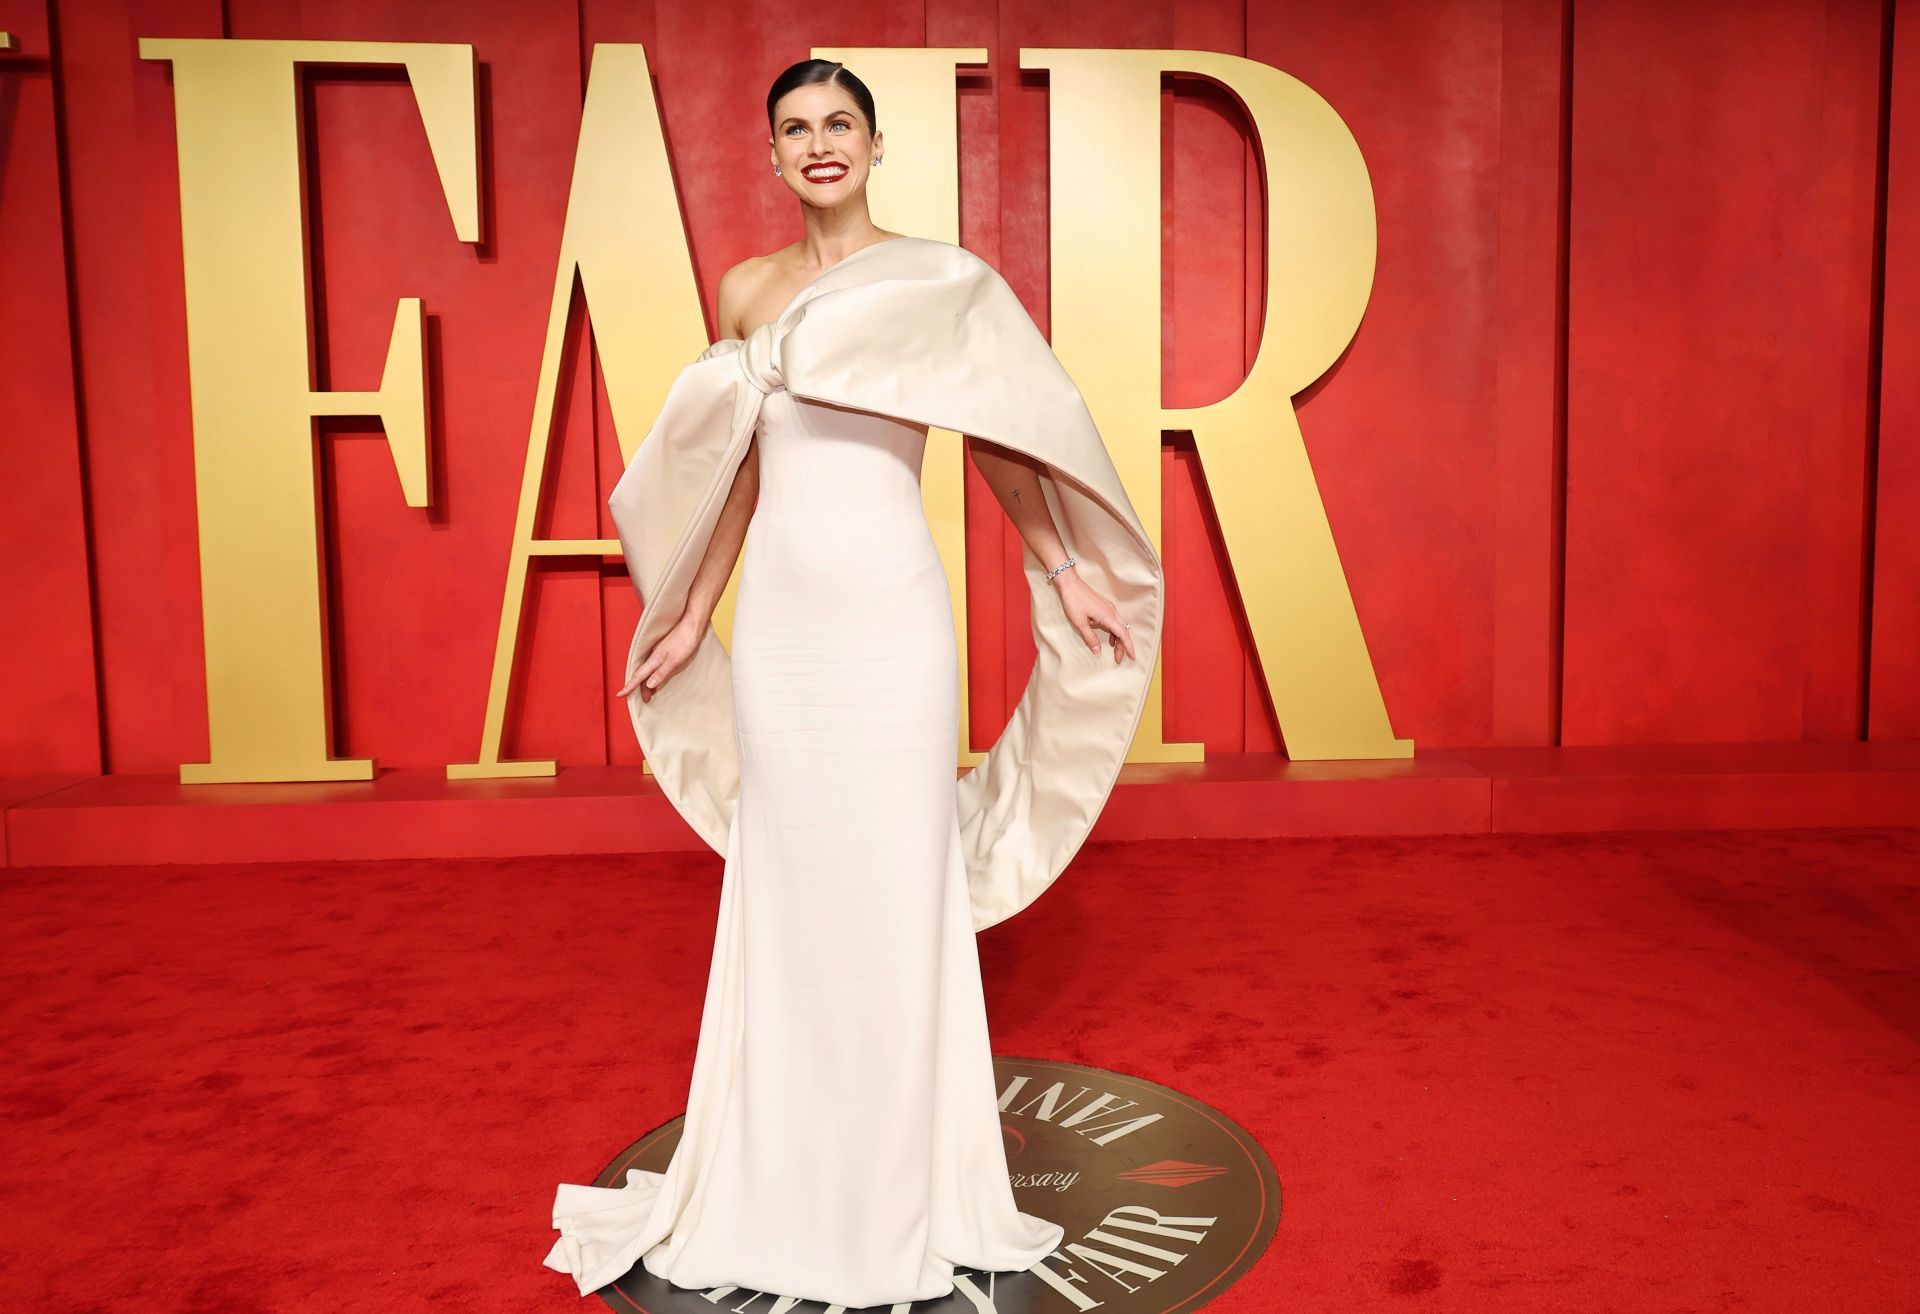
x,y
1062,566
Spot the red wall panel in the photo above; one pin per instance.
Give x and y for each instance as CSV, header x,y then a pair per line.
x,y
1842,323
49,722
130,319
1704,277
1894,698
1529,417
1704,248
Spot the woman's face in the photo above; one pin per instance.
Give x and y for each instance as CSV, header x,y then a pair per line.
x,y
821,144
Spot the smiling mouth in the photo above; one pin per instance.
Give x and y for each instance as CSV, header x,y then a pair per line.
x,y
822,173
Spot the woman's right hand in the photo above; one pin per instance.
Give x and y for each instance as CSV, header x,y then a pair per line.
x,y
674,649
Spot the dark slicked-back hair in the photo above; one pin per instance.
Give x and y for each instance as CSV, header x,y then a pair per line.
x,y
809,71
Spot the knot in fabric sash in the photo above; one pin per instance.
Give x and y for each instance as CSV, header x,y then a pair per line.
x,y
759,356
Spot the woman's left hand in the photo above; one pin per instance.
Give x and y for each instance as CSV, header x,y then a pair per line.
x,y
1089,610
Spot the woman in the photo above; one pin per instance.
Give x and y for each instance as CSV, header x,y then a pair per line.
x,y
842,1140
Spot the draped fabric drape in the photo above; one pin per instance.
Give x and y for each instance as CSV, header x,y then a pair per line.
x,y
927,332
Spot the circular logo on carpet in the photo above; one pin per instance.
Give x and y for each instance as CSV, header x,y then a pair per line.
x,y
1165,1202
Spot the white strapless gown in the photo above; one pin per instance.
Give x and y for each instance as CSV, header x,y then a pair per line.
x,y
842,1140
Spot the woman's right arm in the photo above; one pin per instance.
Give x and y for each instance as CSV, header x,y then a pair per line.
x,y
676,647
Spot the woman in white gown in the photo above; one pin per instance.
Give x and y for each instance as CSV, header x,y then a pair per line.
x,y
842,1140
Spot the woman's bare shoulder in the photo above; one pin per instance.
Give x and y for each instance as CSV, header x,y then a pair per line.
x,y
740,286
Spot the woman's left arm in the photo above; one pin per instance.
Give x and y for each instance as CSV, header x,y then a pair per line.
x,y
1015,480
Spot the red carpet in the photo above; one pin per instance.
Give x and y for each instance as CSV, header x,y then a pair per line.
x,y
1628,1071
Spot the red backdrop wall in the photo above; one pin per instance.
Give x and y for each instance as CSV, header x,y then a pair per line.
x,y
1627,448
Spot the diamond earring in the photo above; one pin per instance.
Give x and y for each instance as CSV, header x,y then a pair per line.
x,y
776,171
